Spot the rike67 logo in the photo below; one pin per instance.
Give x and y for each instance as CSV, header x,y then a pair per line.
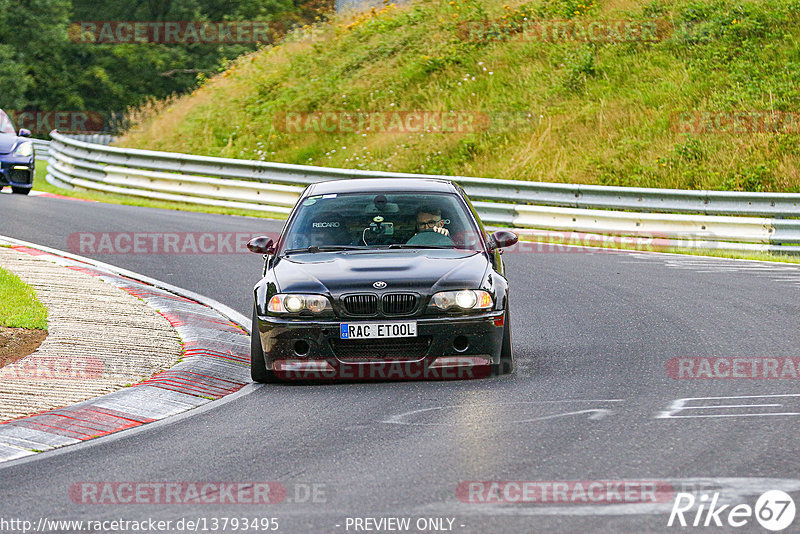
x,y
774,510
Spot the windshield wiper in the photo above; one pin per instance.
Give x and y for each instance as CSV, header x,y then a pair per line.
x,y
322,248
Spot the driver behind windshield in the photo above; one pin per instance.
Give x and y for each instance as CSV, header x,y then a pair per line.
x,y
429,218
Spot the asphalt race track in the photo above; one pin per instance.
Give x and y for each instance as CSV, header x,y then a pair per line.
x,y
591,399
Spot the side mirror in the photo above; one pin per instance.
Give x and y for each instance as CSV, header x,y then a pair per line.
x,y
24,132
261,245
502,239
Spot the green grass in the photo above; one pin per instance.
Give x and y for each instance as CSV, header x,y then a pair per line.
x,y
19,307
41,184
567,111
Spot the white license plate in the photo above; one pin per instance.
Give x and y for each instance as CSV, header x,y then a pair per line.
x,y
377,330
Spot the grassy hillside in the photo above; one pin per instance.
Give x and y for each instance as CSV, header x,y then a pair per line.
x,y
561,109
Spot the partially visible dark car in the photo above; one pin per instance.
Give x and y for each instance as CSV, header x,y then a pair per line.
x,y
16,157
381,278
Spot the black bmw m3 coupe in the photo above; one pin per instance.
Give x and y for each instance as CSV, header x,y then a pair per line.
x,y
382,279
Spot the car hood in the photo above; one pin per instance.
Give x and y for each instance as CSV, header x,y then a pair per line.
x,y
422,271
7,143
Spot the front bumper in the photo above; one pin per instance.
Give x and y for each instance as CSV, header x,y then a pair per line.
x,y
445,347
16,172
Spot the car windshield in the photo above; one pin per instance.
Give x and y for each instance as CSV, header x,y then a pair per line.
x,y
6,126
377,220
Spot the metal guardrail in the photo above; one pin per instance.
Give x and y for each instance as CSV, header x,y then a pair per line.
x,y
41,149
689,219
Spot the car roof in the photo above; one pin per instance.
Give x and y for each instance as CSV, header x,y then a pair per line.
x,y
370,185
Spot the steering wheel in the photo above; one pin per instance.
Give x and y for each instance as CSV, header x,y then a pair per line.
x,y
430,238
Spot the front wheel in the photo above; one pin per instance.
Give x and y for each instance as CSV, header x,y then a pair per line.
x,y
258,367
506,364
20,190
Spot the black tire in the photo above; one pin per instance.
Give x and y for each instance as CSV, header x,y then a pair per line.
x,y
20,190
258,367
506,364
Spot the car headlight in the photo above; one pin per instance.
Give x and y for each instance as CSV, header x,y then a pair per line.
x,y
296,303
24,149
466,299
